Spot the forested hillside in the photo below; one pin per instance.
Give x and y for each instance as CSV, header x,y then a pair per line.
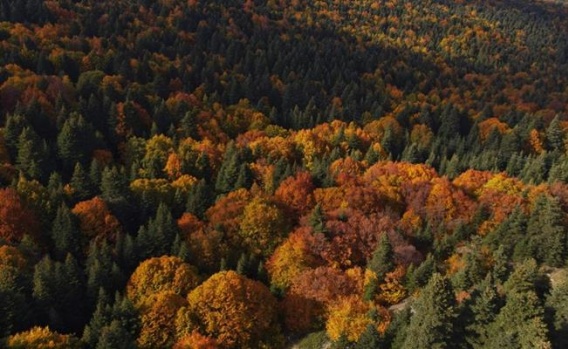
x,y
269,174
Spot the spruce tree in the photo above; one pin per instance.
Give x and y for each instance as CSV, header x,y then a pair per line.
x,y
432,325
33,156
382,260
157,238
557,314
199,199
66,235
81,184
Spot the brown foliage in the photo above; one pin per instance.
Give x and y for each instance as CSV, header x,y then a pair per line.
x,y
16,220
96,221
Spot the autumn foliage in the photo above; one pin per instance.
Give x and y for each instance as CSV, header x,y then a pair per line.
x,y
234,310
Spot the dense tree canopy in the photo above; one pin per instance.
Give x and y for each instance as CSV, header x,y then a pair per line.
x,y
248,174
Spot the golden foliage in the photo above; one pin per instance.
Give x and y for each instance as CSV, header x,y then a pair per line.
x,y
236,311
347,317
160,274
42,338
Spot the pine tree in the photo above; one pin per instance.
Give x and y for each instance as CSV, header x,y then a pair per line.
x,y
382,260
557,314
485,306
421,274
431,326
33,156
317,220
229,172
114,336
81,184
547,235
15,124
199,199
555,135
99,319
370,339
157,238
14,305
75,142
66,235
520,323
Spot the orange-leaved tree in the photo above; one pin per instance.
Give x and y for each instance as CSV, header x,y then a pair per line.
x,y
96,221
161,274
236,311
158,328
16,220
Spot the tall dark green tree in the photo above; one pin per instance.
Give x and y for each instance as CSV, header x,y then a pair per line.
x,y
484,307
157,237
555,135
58,290
199,199
229,172
382,260
547,233
81,185
432,325
557,314
75,142
33,156
66,235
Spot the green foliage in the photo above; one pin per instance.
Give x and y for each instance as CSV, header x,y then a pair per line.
x,y
431,326
160,107
314,340
382,260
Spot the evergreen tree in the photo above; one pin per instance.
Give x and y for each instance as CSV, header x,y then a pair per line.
x,y
421,274
520,323
245,177
81,184
555,135
102,272
397,332
99,319
58,290
33,155
14,305
66,235
75,142
228,174
432,325
382,260
546,232
199,199
317,219
157,238
114,336
557,314
485,306
15,124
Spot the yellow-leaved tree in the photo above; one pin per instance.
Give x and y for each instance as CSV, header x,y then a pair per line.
x,y
42,338
347,317
160,274
234,310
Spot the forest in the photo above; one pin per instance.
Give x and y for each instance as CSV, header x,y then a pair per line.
x,y
340,174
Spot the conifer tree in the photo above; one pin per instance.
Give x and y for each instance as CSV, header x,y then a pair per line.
x,y
33,155
199,199
81,184
432,325
382,260
66,235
